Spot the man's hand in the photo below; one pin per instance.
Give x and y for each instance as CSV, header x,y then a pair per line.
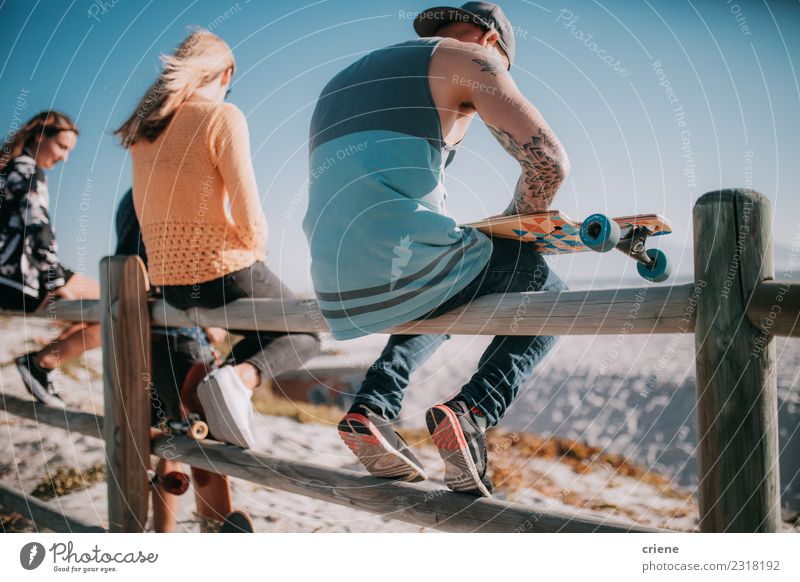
x,y
479,79
64,292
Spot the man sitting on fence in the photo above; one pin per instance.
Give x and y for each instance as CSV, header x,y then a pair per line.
x,y
384,251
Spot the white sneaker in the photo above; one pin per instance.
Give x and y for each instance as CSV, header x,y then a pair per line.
x,y
227,406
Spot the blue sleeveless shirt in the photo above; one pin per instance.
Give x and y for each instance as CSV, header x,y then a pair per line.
x,y
383,250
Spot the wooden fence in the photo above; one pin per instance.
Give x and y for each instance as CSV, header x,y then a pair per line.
x,y
733,307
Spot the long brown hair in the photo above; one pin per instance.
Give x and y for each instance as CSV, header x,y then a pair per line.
x,y
43,124
200,59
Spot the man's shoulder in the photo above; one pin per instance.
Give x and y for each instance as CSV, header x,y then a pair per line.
x,y
456,52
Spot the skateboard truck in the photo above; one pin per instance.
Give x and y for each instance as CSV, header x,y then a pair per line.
x,y
193,427
633,245
601,234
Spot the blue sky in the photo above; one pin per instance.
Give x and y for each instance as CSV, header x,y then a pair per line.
x,y
599,72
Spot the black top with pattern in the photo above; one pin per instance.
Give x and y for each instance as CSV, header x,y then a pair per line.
x,y
28,250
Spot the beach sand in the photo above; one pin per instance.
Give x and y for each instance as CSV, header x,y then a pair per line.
x,y
567,397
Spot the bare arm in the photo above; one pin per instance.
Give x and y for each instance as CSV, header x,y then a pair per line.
x,y
478,78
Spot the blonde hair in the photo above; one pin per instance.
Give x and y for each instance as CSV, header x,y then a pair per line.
x,y
43,124
200,59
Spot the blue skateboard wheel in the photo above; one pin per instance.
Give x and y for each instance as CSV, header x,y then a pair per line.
x,y
600,233
659,271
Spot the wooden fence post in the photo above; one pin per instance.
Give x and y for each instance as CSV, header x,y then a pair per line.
x,y
737,397
125,321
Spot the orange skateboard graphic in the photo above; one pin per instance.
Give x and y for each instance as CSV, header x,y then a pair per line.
x,y
554,232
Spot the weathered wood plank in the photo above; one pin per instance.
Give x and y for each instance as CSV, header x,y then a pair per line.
x,y
736,384
774,308
71,420
663,310
645,310
125,320
87,311
41,514
438,509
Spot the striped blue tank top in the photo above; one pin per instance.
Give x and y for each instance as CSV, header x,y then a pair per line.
x,y
383,250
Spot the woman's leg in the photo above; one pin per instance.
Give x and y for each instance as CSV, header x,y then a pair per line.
x,y
225,393
78,338
262,355
165,504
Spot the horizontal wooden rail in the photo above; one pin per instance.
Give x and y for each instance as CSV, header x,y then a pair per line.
x,y
86,311
645,310
775,308
71,420
41,514
438,509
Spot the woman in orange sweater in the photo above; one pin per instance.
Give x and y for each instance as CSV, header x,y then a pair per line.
x,y
196,198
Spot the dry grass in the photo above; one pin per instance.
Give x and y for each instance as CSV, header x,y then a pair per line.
x,y
66,480
507,452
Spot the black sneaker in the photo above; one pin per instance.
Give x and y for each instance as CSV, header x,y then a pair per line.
x,y
237,522
461,441
38,381
380,449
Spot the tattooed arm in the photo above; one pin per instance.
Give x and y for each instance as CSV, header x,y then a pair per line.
x,y
478,79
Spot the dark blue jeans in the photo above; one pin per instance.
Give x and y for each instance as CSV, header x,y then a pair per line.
x,y
505,365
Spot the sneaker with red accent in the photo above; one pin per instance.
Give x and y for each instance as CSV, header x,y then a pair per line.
x,y
459,434
380,449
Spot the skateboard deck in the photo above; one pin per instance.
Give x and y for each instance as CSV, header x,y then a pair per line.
x,y
212,490
554,232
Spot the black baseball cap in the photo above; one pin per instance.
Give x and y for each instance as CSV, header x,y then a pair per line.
x,y
485,14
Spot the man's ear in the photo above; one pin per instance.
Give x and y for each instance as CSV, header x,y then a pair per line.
x,y
489,39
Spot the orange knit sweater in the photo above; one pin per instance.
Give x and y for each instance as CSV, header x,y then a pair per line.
x,y
196,198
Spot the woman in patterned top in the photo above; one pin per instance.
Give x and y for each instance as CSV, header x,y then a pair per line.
x,y
31,274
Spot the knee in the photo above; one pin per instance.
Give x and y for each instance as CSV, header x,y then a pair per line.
x,y
533,272
307,345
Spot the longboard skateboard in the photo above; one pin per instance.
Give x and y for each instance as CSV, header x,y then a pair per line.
x,y
553,232
212,490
